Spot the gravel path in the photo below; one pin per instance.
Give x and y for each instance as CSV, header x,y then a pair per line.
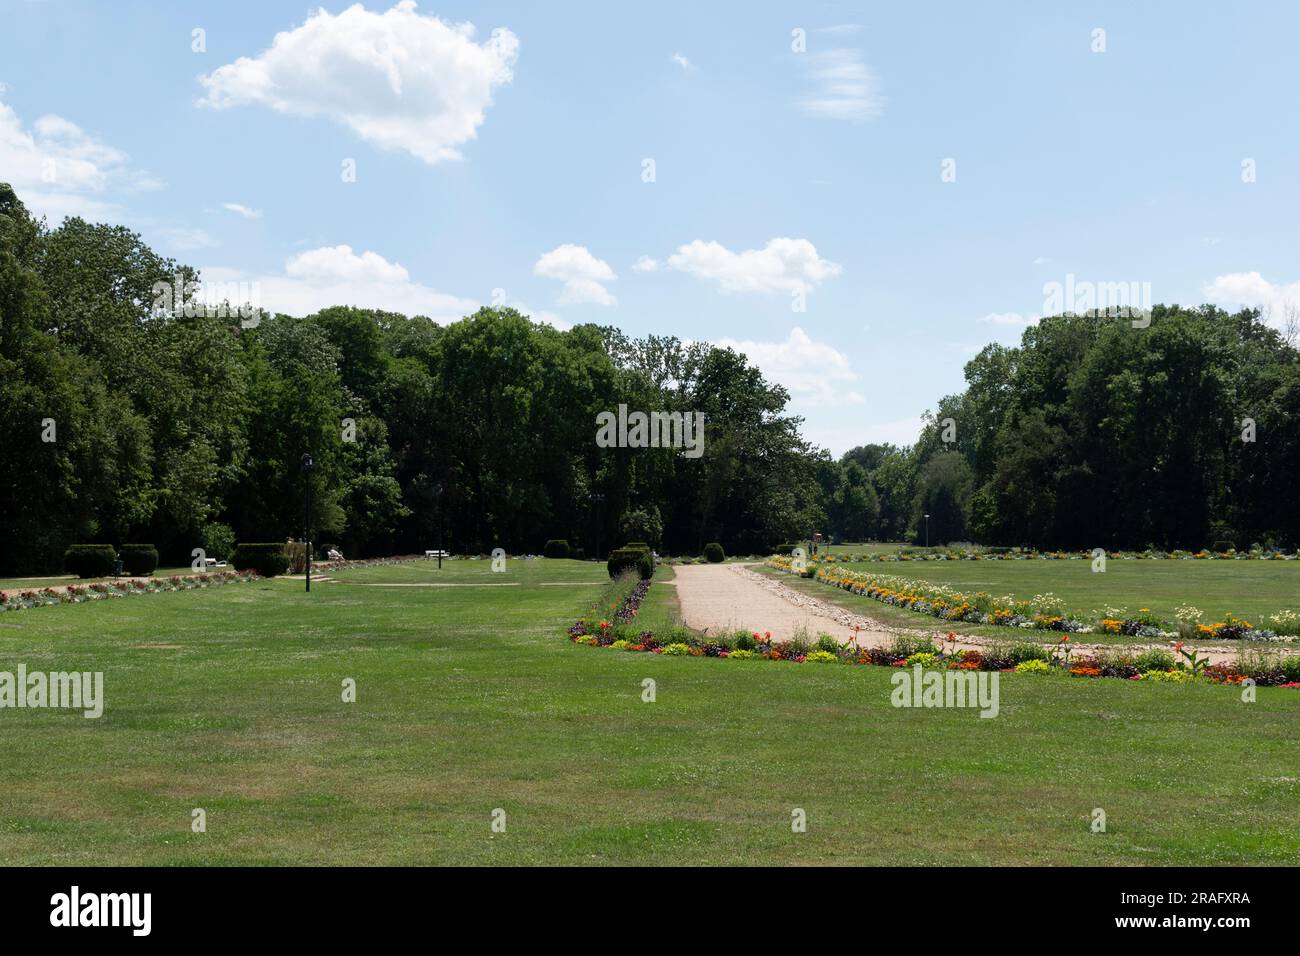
x,y
725,597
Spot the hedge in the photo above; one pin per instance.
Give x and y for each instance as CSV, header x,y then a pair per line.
x,y
557,548
622,560
713,553
90,560
139,560
267,559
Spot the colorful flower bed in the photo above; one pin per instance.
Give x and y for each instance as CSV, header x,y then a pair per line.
x,y
611,626
102,590
1044,612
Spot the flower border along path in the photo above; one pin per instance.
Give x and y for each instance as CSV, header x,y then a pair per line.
x,y
611,624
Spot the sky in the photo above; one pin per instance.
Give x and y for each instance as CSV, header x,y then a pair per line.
x,y
857,196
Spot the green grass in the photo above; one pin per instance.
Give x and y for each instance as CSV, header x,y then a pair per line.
x,y
1249,589
470,699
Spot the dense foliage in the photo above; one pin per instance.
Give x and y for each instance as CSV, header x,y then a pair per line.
x,y
126,422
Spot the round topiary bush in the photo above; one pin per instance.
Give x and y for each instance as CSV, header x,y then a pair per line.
x,y
622,560
139,560
90,560
713,553
267,559
557,548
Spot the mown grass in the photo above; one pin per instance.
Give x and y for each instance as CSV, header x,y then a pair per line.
x,y
470,699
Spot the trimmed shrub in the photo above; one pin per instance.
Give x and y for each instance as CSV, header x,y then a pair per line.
x,y
267,559
556,548
139,560
622,560
713,553
90,560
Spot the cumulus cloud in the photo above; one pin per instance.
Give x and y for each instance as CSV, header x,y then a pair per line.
x,y
241,210
399,80
584,276
781,265
59,170
684,63
336,275
645,264
815,373
844,87
1251,290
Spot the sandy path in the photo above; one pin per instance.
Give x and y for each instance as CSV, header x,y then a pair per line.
x,y
724,597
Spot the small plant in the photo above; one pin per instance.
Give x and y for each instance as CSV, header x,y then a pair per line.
x,y
740,654
677,650
827,643
1191,660
1035,666
822,657
924,658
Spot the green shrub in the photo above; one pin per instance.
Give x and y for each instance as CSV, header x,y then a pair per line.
x,y
924,658
622,560
1033,666
827,643
745,641
676,650
905,645
139,559
90,560
218,540
1154,660
556,548
1290,668
266,558
713,553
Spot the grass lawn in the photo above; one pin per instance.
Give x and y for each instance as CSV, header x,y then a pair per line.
x,y
470,699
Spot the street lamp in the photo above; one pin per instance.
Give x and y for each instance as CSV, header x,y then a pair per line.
x,y
597,499
437,491
307,465
927,531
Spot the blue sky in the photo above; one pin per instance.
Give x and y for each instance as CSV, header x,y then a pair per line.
x,y
509,166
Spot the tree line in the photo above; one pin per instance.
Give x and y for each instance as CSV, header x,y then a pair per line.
x,y
126,422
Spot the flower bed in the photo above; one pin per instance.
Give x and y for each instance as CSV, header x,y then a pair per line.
x,y
102,590
1176,665
1016,554
1044,612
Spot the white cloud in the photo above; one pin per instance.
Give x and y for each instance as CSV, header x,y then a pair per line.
x,y
645,264
1252,290
184,238
814,372
242,210
59,170
335,275
781,265
1041,261
397,79
684,63
584,276
846,88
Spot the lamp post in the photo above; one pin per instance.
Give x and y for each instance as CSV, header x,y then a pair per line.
x,y
437,491
597,499
927,531
307,465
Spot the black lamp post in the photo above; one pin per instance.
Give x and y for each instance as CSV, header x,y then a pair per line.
x,y
307,465
437,491
598,499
